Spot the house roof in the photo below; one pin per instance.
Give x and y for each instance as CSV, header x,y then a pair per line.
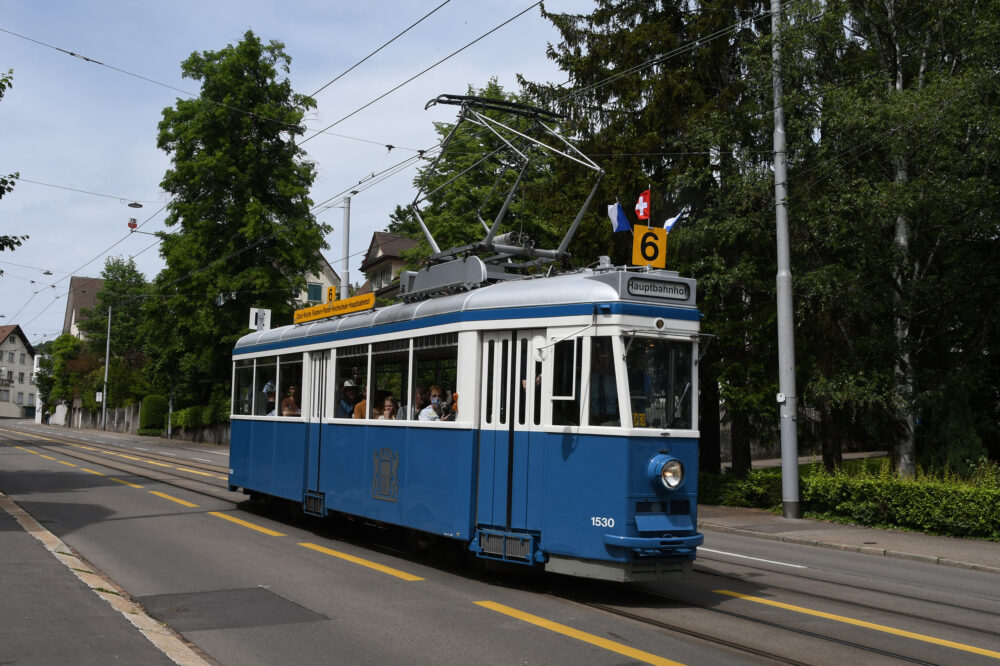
x,y
82,294
6,331
386,246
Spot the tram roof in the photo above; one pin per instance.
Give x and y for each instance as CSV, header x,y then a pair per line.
x,y
559,295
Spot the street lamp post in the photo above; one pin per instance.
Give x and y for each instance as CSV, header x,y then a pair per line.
x,y
107,359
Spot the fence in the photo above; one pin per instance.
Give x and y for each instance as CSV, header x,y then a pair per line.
x,y
126,420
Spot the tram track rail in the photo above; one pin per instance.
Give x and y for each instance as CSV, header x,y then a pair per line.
x,y
743,647
177,471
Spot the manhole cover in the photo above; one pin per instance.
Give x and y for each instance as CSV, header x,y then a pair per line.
x,y
226,609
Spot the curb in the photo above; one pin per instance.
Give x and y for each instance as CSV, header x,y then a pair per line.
x,y
160,635
867,550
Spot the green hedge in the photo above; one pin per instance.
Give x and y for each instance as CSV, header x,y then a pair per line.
x,y
198,416
946,506
152,414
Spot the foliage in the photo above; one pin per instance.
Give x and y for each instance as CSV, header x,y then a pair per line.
x,y
71,370
7,182
123,290
153,412
245,236
893,146
933,503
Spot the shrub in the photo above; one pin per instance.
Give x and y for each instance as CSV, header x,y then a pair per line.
x,y
150,432
153,412
937,505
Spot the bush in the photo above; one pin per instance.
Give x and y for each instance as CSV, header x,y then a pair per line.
x,y
151,432
153,412
933,504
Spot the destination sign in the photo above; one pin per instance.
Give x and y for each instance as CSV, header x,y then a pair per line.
x,y
675,291
335,308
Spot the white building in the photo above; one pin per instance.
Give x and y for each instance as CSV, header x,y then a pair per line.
x,y
17,380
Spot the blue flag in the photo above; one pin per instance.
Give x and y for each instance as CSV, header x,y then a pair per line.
x,y
618,220
669,224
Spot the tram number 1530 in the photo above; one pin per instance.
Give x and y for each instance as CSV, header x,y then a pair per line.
x,y
600,521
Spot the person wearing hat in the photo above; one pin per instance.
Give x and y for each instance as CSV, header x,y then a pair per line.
x,y
349,398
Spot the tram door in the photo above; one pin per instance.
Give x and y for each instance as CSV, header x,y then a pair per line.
x,y
509,482
319,365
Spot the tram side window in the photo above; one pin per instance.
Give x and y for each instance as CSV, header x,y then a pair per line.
x,y
435,362
566,361
603,386
290,384
265,386
390,365
659,377
352,379
243,387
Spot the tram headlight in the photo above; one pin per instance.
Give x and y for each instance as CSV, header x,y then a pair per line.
x,y
666,470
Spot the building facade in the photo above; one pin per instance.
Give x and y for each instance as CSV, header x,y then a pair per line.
x,y
17,377
382,263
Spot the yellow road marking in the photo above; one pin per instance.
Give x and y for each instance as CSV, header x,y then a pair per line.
x,y
604,643
867,625
194,471
365,563
172,498
123,482
244,523
92,471
122,455
68,464
45,456
152,462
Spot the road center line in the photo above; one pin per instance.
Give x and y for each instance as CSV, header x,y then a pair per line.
x,y
365,563
747,557
862,623
244,523
619,648
172,498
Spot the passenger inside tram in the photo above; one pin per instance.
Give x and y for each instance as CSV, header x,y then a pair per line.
x,y
290,405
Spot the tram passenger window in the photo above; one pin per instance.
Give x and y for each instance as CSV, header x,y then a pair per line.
x,y
265,386
603,387
435,362
352,379
566,361
243,387
290,384
659,378
390,364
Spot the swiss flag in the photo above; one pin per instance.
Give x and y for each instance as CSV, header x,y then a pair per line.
x,y
642,206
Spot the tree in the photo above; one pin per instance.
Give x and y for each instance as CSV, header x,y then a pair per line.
x,y
245,236
124,290
7,182
71,367
893,130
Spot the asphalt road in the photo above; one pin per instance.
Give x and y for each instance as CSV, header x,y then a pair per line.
x,y
246,588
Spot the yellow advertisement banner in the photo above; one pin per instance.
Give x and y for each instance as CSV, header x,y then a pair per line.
x,y
336,308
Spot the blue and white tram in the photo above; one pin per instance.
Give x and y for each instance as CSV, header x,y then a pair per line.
x,y
564,436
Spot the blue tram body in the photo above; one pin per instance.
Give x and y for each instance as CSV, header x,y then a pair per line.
x,y
563,433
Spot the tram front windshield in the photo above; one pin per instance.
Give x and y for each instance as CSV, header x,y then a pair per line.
x,y
659,381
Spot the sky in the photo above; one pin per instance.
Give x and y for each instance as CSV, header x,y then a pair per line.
x,y
85,133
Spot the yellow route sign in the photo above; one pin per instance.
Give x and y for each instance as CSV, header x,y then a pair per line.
x,y
649,247
335,308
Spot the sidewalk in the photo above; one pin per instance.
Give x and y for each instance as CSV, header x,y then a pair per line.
x,y
57,610
964,553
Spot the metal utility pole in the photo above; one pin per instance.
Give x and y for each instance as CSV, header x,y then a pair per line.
x,y
345,282
107,362
787,398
